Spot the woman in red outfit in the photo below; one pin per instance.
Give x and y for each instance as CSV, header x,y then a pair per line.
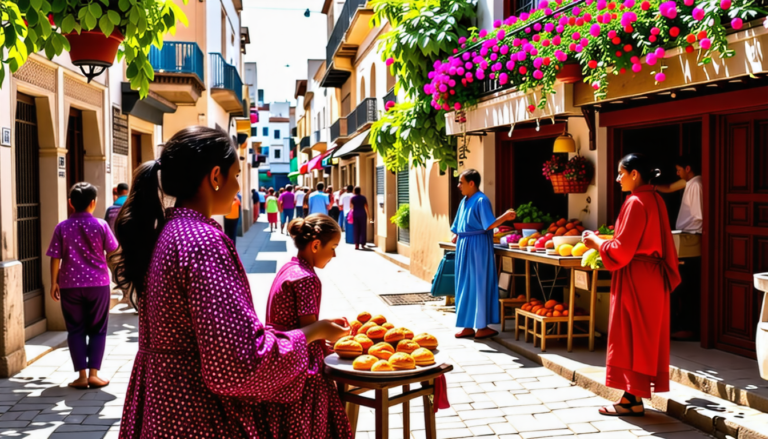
x,y
643,260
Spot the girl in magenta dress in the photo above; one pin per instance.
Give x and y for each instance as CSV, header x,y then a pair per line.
x,y
294,302
205,361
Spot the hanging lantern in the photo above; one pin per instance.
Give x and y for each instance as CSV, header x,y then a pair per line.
x,y
92,52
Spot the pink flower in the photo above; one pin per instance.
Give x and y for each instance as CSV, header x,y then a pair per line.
x,y
645,5
668,9
537,27
510,65
462,40
560,29
483,33
596,85
660,77
549,27
503,78
698,14
576,11
538,62
650,59
736,23
584,42
705,43
629,3
556,40
523,70
543,4
725,4
537,74
457,106
390,61
637,67
500,34
524,16
659,52
576,36
497,24
688,2
611,34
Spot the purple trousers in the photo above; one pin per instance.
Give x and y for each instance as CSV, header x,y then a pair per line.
x,y
86,313
360,229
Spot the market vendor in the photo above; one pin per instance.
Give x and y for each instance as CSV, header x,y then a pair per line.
x,y
477,289
686,301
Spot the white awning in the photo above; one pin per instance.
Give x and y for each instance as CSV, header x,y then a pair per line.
x,y
358,145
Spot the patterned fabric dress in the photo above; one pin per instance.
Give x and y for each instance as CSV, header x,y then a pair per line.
x,y
205,360
319,413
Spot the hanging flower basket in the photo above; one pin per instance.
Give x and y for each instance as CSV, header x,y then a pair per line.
x,y
90,47
562,185
570,73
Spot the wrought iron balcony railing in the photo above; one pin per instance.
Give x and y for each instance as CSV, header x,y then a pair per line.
x,y
178,57
225,76
342,24
365,113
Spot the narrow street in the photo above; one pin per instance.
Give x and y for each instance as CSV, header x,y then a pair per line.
x,y
493,392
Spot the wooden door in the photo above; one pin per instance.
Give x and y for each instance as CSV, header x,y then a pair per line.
x,y
75,149
28,237
136,159
742,240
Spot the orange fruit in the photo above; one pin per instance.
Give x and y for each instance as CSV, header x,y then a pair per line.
x,y
556,314
570,226
537,308
565,313
559,307
549,314
561,222
560,231
521,297
550,304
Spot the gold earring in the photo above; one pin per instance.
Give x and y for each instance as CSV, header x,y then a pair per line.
x,y
217,187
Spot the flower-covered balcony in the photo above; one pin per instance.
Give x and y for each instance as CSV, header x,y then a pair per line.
x,y
179,71
566,54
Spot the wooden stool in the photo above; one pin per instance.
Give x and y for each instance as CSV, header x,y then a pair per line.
x,y
351,386
512,305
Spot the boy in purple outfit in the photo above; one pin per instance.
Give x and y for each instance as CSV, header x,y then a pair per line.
x,y
80,279
287,202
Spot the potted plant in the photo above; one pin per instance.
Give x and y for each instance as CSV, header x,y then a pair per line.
x,y
572,177
530,217
402,217
92,31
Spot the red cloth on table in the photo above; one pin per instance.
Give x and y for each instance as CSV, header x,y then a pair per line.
x,y
441,394
644,263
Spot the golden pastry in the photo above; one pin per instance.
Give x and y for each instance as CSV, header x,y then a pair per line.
x,y
402,361
366,326
423,357
348,349
394,335
388,326
407,333
426,341
364,362
407,346
376,333
379,319
381,351
363,317
355,327
364,341
382,366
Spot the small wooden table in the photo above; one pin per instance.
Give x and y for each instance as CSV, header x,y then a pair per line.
x,y
352,386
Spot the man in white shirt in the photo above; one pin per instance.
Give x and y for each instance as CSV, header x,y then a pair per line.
x,y
345,202
691,217
686,300
300,202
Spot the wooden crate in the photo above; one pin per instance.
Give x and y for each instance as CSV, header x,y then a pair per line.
x,y
535,325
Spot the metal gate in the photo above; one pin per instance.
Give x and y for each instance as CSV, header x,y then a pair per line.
x,y
28,210
403,197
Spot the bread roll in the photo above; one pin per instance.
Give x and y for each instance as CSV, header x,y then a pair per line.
x,y
426,341
423,357
364,362
379,319
394,335
348,349
355,327
364,341
381,351
376,333
407,346
363,317
366,326
388,326
402,361
382,366
407,333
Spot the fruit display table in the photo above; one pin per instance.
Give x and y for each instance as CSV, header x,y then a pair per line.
x,y
352,386
559,262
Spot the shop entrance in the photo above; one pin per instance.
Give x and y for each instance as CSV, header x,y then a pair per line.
x,y
136,159
75,149
28,237
741,228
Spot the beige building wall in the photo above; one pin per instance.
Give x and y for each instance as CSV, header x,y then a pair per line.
x,y
430,218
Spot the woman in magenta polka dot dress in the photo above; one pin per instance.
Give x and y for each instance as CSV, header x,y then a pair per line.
x,y
206,364
294,302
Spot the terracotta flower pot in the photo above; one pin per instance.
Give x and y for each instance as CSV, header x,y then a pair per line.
x,y
92,48
522,226
570,73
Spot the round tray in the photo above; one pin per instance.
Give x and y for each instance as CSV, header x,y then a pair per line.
x,y
334,362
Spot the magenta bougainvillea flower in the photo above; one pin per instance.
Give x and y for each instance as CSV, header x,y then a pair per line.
x,y
660,77
390,61
705,43
737,23
668,9
698,14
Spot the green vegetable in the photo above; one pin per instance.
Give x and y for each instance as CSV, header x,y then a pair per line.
x,y
604,230
592,259
528,213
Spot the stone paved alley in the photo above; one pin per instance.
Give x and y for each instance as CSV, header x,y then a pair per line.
x,y
493,392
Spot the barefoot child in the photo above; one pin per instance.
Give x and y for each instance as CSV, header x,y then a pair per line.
x,y
80,279
272,210
294,302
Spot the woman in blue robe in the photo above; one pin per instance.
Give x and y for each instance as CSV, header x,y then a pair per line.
x,y
477,289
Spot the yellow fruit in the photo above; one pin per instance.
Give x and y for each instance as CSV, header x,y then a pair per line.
x,y
535,236
579,250
565,250
523,242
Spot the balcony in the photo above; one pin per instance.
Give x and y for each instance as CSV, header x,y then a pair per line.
x,y
349,32
179,72
318,141
365,114
390,96
339,130
226,85
304,144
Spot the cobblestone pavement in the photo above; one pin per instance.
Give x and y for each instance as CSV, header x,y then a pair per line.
x,y
493,392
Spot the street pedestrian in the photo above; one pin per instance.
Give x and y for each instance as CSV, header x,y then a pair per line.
x,y
111,215
80,280
319,201
272,210
287,202
294,302
477,289
333,197
262,199
256,204
643,260
231,220
305,205
360,215
346,206
204,357
299,200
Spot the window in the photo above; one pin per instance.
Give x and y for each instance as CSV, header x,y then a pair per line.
x,y
254,131
277,134
515,7
278,153
265,131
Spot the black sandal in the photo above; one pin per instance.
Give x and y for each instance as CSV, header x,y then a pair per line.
x,y
628,407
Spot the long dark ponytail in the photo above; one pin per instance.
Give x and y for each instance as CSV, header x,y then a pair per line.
x,y
642,164
187,158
